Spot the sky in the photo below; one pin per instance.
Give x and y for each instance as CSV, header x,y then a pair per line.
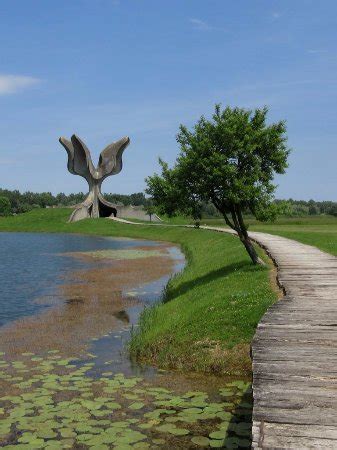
x,y
103,69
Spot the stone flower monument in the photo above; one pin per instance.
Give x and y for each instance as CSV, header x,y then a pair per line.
x,y
79,163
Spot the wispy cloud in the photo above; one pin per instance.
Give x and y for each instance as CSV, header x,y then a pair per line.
x,y
10,84
201,25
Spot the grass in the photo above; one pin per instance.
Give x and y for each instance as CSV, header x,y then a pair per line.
x,y
320,231
211,309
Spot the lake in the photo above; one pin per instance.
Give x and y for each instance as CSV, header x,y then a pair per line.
x,y
68,304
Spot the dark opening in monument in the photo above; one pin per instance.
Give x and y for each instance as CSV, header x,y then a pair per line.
x,y
106,211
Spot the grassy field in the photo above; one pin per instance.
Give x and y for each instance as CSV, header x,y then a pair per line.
x,y
211,308
320,231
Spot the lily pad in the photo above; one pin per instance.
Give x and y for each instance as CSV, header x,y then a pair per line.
x,y
136,405
221,434
201,441
218,444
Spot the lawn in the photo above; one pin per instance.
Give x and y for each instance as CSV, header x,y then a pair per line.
x,y
211,309
320,231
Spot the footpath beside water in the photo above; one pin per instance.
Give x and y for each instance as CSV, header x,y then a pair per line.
x,y
294,350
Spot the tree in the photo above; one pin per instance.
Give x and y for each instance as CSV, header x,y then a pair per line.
x,y
5,206
169,193
333,210
138,199
230,161
149,208
313,210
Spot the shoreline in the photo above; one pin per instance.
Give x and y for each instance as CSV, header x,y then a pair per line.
x,y
216,265
77,306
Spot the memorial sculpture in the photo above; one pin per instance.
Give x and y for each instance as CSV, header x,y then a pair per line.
x,y
80,163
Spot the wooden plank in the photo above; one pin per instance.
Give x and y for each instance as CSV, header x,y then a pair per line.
x,y
295,436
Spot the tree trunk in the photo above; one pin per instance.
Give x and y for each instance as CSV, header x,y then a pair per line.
x,y
238,225
251,250
241,229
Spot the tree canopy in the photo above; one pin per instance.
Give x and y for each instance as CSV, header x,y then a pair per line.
x,y
5,206
230,161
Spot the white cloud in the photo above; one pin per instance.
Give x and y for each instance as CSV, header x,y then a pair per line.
x,y
10,84
199,24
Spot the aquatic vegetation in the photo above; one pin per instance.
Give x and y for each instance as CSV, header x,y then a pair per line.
x,y
121,254
52,403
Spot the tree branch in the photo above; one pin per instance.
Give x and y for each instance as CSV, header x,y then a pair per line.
x,y
223,212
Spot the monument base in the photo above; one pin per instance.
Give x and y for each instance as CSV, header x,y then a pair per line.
x,y
93,209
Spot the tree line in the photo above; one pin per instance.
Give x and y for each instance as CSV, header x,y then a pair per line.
x,y
23,202
286,208
299,208
18,202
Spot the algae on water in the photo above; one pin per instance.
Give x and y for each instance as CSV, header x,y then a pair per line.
x,y
121,254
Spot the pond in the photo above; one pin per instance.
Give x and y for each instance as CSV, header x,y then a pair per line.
x,y
68,304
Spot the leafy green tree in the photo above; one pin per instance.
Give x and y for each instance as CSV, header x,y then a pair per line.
x,y
5,206
313,210
230,161
149,208
170,195
138,199
333,210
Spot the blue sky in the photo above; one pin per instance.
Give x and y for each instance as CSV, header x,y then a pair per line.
x,y
107,68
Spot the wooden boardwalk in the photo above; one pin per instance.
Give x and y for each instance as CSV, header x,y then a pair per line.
x,y
295,351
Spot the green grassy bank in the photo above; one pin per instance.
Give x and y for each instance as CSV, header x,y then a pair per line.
x,y
212,308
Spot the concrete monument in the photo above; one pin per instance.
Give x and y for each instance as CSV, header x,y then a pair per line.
x,y
79,163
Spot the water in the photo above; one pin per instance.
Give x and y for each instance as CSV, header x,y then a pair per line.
x,y
105,401
111,350
32,266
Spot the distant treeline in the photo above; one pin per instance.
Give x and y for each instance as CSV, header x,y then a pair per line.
x,y
298,208
290,208
23,202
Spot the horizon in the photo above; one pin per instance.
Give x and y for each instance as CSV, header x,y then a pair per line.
x,y
111,68
84,193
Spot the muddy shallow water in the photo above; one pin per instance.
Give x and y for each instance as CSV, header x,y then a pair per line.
x,y
66,380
